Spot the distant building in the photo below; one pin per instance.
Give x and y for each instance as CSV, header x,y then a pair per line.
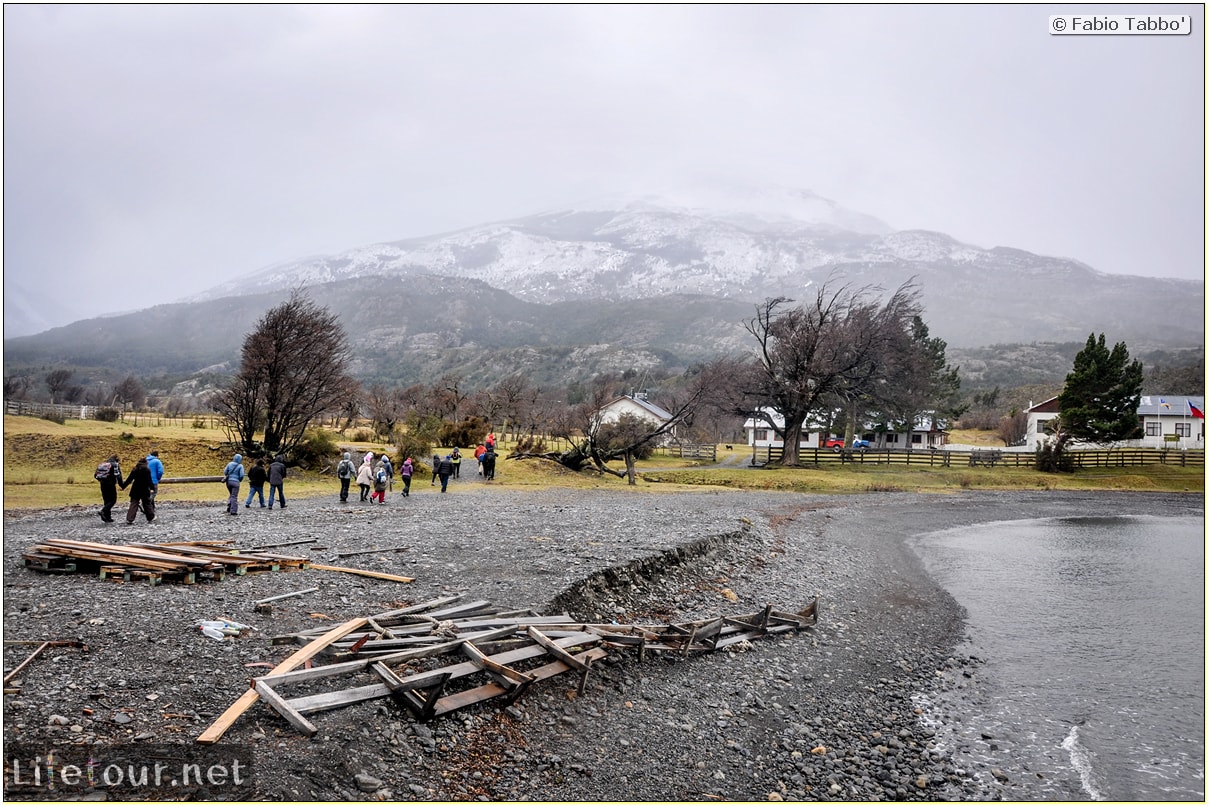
x,y
1168,421
928,434
637,405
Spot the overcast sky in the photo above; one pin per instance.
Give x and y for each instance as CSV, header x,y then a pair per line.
x,y
152,152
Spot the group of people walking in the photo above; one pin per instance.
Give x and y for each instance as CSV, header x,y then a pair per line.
x,y
234,474
374,478
143,482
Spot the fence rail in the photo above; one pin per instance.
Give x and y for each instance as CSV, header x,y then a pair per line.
x,y
64,410
709,452
1119,457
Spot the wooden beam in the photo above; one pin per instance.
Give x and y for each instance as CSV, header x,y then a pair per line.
x,y
363,573
278,703
215,732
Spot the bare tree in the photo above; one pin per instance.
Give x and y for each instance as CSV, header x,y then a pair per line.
x,y
386,408
130,391
293,369
57,382
594,442
812,357
1013,428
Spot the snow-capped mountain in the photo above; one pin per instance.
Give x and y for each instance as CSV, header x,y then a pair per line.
x,y
749,245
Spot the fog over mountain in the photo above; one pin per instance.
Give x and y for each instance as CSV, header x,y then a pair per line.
x,y
638,284
753,245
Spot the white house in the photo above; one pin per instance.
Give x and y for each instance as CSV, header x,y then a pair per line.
x,y
761,431
1168,421
638,406
927,434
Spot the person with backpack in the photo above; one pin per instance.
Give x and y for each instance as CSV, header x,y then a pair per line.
x,y
381,479
232,475
489,465
139,482
390,472
456,458
436,466
405,473
109,474
344,472
257,476
277,474
157,471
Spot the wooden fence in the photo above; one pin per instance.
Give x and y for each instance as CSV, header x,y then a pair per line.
x,y
709,452
1118,457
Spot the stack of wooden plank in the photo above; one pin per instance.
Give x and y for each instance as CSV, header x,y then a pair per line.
x,y
154,562
435,658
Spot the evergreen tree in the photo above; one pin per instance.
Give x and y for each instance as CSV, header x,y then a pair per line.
x,y
1099,402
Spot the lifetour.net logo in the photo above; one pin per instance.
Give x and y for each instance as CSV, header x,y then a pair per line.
x,y
132,772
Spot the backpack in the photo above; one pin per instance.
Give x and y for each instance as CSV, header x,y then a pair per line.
x,y
381,477
344,470
104,470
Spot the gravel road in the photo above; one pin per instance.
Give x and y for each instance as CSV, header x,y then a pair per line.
x,y
845,711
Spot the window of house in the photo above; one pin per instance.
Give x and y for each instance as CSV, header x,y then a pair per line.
x,y
891,438
1154,429
1041,426
1183,429
762,435
917,438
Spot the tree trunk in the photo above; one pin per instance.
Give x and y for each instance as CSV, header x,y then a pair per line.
x,y
793,439
631,474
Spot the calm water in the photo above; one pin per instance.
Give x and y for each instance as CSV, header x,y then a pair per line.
x,y
1093,633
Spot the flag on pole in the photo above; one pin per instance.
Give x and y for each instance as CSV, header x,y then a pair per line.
x,y
1196,412
1164,404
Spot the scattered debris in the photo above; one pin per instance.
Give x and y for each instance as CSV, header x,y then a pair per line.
x,y
155,562
220,629
437,657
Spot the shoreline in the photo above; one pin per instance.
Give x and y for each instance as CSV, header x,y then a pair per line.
x,y
735,725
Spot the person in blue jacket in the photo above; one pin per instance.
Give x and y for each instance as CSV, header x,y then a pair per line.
x,y
232,475
157,471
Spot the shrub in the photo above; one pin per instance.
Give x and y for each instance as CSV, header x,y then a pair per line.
x,y
317,446
470,431
107,414
126,436
199,422
415,446
54,417
362,435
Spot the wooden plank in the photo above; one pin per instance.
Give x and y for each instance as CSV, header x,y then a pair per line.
x,y
62,546
285,596
278,703
363,573
215,732
388,550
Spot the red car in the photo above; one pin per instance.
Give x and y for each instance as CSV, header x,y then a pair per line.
x,y
834,442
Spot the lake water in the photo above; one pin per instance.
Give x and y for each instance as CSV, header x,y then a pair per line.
x,y
1092,630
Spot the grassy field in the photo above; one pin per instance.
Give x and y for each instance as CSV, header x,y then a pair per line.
x,y
48,465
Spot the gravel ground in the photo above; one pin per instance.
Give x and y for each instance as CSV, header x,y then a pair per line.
x,y
845,711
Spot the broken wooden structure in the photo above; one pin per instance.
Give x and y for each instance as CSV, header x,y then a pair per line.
x,y
186,562
437,657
